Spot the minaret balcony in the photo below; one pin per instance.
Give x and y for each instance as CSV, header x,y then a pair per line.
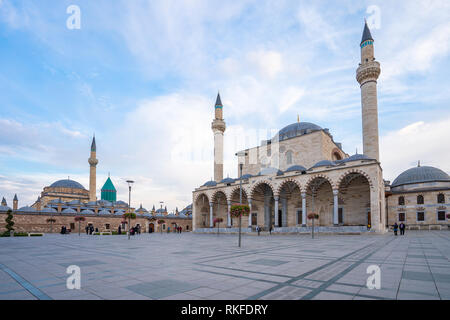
x,y
369,71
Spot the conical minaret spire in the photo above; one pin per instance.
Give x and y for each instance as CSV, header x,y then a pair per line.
x,y
218,127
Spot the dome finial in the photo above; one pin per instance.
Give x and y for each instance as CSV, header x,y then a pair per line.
x,y
298,118
418,163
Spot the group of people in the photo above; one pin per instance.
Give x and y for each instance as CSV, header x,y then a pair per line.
x,y
401,227
90,229
64,230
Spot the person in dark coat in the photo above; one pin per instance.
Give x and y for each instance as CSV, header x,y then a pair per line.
x,y
258,229
402,228
87,229
395,228
120,230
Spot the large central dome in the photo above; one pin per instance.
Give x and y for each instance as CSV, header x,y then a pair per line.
x,y
67,183
297,129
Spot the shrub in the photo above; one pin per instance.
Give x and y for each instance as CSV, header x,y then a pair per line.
x,y
313,216
129,215
218,220
36,235
239,210
9,222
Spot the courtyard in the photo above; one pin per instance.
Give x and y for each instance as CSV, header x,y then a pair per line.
x,y
191,266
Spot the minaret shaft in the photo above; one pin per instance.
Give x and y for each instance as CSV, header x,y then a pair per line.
x,y
93,172
367,75
218,126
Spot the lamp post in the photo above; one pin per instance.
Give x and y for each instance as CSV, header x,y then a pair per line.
x,y
130,183
241,164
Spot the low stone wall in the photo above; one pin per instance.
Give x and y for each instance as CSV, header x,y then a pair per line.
x,y
37,222
287,230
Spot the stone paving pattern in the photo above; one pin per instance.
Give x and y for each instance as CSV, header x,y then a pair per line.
x,y
206,266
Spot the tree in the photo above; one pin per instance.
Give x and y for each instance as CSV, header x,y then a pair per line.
x,y
129,216
9,222
313,216
79,219
218,221
238,211
51,221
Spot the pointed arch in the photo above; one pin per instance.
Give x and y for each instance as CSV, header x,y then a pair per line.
x,y
261,182
358,171
317,176
198,195
216,193
280,186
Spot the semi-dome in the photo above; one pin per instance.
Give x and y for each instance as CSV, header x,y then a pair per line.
x,y
297,129
421,175
67,183
270,170
227,180
296,168
210,184
323,163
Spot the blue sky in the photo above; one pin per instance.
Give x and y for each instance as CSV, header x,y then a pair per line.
x,y
143,75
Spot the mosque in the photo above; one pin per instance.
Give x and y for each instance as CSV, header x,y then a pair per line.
x,y
66,199
303,170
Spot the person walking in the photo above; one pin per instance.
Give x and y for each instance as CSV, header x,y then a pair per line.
x,y
119,231
395,228
402,229
270,230
87,230
258,229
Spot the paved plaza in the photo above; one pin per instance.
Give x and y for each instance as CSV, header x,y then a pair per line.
x,y
201,266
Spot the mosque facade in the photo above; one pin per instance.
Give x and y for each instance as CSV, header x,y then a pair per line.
x,y
302,170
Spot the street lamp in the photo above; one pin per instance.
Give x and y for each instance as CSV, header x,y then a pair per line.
x,y
130,183
241,164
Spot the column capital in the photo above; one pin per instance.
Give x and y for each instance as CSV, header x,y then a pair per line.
x,y
229,202
335,192
211,204
249,200
277,197
303,195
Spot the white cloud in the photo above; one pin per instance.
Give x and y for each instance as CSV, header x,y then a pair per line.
x,y
269,63
424,141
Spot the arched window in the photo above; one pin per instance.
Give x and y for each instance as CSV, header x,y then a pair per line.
x,y
289,157
401,201
440,198
420,199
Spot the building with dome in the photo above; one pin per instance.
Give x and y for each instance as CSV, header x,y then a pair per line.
x,y
302,170
66,199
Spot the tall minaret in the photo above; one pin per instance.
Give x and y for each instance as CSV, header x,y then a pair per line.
x,y
367,75
218,127
93,171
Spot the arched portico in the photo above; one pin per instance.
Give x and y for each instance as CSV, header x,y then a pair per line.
x,y
264,203
218,207
290,204
202,209
354,192
320,199
234,200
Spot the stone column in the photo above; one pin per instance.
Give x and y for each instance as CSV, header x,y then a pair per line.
x,y
228,214
335,207
304,209
276,210
250,214
211,225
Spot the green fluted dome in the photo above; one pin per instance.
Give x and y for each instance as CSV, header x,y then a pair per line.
x,y
109,192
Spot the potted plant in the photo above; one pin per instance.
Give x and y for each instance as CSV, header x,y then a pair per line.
x,y
313,216
238,211
79,219
9,224
217,221
129,216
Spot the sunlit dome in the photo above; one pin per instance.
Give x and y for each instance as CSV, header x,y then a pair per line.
x,y
67,183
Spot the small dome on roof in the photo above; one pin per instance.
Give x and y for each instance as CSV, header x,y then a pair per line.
x,y
49,210
356,157
210,184
120,203
270,170
104,203
420,175
67,183
296,168
245,177
69,211
75,202
323,163
104,212
119,212
87,211
4,208
27,209
297,129
227,180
